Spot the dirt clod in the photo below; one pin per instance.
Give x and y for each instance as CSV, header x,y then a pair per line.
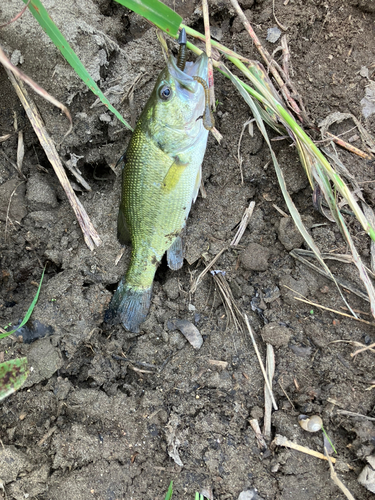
x,y
288,234
276,335
255,257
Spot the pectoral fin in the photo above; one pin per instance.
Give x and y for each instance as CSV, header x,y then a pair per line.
x,y
123,234
175,254
173,175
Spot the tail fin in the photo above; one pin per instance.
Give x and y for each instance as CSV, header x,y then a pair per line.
x,y
129,306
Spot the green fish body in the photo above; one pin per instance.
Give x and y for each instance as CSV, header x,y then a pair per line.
x,y
160,181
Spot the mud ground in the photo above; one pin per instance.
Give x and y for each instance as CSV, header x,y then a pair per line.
x,y
103,412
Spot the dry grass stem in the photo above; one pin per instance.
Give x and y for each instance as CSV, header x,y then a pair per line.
x,y
286,56
214,131
262,445
267,58
353,354
260,361
16,17
39,90
20,152
281,212
243,224
7,219
205,271
334,311
349,147
239,157
4,138
336,480
77,174
270,370
14,165
353,414
90,235
286,395
232,311
276,20
351,342
283,441
343,283
207,33
338,117
370,216
118,258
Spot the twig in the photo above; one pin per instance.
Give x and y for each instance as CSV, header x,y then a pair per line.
x,y
243,224
89,233
260,361
47,435
206,20
336,480
363,349
283,441
349,147
262,445
270,370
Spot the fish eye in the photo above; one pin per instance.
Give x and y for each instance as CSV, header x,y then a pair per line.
x,y
165,92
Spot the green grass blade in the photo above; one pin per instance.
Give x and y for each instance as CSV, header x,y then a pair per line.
x,y
41,15
13,374
280,177
29,311
168,496
157,13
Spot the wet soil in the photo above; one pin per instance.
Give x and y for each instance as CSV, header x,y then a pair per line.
x,y
107,414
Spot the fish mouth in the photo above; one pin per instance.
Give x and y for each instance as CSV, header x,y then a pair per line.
x,y
186,78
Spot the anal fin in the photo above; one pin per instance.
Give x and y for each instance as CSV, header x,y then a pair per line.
x,y
175,254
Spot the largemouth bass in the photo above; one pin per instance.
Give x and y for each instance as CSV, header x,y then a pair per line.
x,y
160,181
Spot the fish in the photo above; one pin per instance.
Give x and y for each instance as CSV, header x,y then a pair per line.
x,y
161,176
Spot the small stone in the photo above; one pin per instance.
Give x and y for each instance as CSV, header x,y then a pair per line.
x,y
16,57
276,335
273,34
288,234
255,257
